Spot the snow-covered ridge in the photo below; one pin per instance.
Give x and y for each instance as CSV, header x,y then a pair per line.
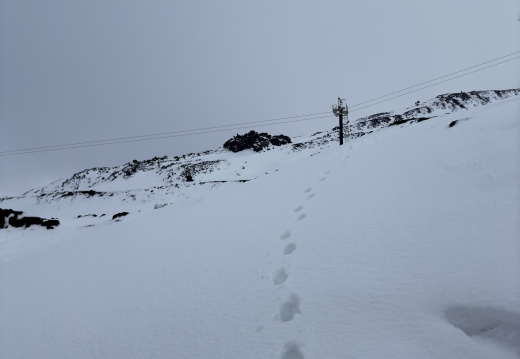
x,y
437,106
149,180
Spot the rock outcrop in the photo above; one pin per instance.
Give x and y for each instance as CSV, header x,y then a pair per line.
x,y
255,141
11,218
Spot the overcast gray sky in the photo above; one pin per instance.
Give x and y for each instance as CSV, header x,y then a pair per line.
x,y
73,71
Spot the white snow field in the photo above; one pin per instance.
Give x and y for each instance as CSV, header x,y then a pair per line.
x,y
404,243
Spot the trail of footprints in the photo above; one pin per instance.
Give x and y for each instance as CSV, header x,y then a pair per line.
x,y
291,306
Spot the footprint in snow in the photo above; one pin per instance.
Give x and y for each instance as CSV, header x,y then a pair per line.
x,y
311,195
298,209
291,351
291,247
307,190
280,276
301,216
327,172
286,235
290,308
322,179
489,323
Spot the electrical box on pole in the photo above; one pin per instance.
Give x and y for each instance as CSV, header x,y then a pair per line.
x,y
340,110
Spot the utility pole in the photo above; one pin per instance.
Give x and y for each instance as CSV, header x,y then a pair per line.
x,y
339,111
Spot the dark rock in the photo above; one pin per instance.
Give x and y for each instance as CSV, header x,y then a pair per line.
x,y
130,168
255,141
88,194
189,170
453,123
5,214
251,140
299,146
458,103
280,140
121,214
8,217
86,215
51,223
374,121
401,120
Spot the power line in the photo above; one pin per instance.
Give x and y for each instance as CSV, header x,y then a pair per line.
x,y
437,83
57,147
438,78
149,139
230,127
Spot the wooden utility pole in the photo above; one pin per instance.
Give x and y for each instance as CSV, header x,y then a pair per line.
x,y
339,111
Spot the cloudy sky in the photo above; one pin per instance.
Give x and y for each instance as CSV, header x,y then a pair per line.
x,y
76,71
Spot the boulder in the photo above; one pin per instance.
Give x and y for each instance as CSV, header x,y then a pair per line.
x,y
255,141
280,140
121,214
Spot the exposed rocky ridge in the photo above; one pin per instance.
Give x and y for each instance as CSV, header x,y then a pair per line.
x,y
439,105
213,168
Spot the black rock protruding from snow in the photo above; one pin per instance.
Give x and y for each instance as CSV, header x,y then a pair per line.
x,y
9,217
189,170
121,214
255,141
280,140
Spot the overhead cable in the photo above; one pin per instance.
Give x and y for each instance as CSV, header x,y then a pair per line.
x,y
438,78
435,84
270,122
148,139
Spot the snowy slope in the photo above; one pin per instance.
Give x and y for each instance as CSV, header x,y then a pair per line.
x,y
400,244
438,106
154,179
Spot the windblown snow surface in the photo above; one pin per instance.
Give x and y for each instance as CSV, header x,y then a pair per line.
x,y
404,243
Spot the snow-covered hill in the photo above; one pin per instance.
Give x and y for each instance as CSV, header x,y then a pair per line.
x,y
403,243
167,177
